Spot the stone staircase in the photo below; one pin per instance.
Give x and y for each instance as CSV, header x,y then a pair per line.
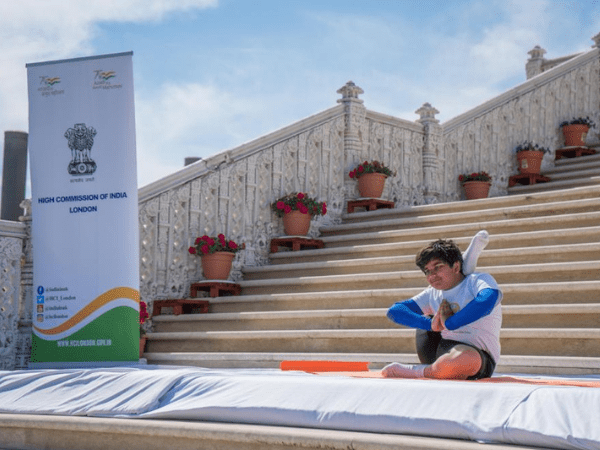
x,y
330,303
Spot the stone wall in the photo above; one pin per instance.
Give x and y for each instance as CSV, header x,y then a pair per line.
x,y
12,238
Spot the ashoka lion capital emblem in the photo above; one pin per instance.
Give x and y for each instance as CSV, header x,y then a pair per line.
x,y
81,140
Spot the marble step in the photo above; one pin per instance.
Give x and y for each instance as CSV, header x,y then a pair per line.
x,y
514,294
505,256
530,364
575,164
574,315
582,342
567,173
502,202
360,235
496,214
531,273
590,182
538,238
583,173
32,432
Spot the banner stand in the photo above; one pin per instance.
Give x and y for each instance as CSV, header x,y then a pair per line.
x,y
85,236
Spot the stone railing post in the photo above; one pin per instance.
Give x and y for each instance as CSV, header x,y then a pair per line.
x,y
355,113
26,294
433,174
535,62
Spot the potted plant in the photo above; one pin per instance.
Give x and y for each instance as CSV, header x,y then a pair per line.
x,y
529,157
143,316
575,131
216,255
371,178
476,184
297,209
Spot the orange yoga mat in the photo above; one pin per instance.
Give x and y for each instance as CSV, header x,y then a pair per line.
x,y
325,366
501,379
361,370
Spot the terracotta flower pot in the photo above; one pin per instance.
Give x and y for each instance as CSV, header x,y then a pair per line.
x,y
296,224
530,161
370,185
575,135
216,266
142,344
476,189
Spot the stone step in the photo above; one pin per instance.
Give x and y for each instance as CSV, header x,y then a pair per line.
x,y
18,431
582,342
514,294
360,235
574,315
539,238
574,271
573,164
543,210
504,202
508,363
574,174
589,182
506,256
567,173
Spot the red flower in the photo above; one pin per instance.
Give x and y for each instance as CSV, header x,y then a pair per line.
x,y
324,209
208,245
143,312
197,241
371,167
296,201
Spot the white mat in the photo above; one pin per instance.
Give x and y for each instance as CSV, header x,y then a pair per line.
x,y
562,417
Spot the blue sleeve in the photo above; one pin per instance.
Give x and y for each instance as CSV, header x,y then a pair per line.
x,y
409,314
477,308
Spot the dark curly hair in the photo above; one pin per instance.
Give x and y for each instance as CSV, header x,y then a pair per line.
x,y
444,250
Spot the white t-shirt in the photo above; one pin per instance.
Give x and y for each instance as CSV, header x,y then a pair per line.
x,y
484,333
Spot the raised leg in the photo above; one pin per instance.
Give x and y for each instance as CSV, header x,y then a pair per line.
x,y
471,255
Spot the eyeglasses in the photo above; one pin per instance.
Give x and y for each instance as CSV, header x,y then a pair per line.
x,y
435,269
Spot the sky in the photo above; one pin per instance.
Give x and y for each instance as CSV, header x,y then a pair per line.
x,y
211,75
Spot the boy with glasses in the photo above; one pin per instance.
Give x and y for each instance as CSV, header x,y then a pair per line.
x,y
458,317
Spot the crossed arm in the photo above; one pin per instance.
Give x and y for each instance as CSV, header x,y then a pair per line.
x,y
408,313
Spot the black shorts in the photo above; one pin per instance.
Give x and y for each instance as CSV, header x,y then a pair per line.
x,y
487,362
430,346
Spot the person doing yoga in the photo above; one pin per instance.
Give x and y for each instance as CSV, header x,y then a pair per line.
x,y
458,317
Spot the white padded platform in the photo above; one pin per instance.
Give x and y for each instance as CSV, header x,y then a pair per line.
x,y
561,417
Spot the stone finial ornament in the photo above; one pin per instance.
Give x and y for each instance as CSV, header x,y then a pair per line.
x,y
350,91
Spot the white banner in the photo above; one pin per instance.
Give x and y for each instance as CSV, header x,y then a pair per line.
x,y
84,210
